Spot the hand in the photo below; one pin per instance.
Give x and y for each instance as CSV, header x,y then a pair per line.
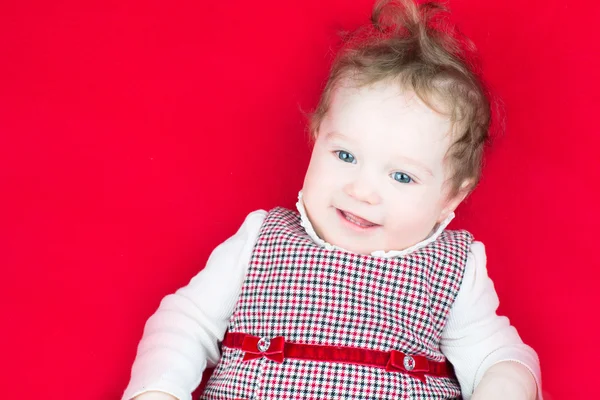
x,y
506,380
154,396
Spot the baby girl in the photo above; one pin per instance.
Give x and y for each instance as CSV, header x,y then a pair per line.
x,y
362,292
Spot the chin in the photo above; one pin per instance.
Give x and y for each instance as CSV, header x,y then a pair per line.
x,y
353,247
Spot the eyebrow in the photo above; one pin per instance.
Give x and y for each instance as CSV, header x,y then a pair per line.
x,y
332,135
414,163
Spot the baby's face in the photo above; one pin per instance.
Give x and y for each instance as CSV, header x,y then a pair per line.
x,y
377,172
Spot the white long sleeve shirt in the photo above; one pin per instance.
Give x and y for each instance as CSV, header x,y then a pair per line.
x,y
181,338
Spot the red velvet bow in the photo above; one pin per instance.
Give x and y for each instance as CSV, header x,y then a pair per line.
x,y
420,365
274,352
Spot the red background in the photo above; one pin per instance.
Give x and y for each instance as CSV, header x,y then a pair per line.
x,y
135,136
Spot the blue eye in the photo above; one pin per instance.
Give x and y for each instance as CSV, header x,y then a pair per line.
x,y
345,156
401,177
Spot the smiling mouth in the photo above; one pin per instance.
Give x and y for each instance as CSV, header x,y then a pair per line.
x,y
356,220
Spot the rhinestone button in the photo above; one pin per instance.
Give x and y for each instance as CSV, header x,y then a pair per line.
x,y
263,344
409,363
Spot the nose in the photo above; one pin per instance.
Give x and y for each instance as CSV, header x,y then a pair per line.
x,y
362,189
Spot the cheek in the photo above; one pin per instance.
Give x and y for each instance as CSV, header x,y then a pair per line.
x,y
410,213
407,229
322,173
312,179
315,188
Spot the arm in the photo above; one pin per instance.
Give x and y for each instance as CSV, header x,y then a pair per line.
x,y
181,338
488,354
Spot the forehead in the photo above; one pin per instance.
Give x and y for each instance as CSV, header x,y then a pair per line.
x,y
385,116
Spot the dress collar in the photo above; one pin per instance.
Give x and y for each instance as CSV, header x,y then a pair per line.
x,y
306,224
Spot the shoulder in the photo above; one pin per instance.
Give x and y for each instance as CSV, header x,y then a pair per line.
x,y
279,213
477,285
476,255
476,259
238,246
281,219
253,221
452,236
455,242
451,247
250,228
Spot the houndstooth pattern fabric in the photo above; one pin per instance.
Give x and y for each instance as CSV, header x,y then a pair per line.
x,y
296,289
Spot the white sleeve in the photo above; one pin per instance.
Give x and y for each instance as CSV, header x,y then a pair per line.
x,y
475,337
181,338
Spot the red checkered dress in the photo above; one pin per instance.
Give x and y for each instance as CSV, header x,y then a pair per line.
x,y
299,290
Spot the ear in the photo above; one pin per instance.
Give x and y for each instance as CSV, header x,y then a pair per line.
x,y
452,203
